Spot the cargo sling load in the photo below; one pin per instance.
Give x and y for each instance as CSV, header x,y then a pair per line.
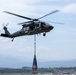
x,y
34,66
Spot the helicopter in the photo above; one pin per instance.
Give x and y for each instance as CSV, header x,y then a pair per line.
x,y
31,27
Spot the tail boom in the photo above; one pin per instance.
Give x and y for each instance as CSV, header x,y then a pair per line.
x,y
5,35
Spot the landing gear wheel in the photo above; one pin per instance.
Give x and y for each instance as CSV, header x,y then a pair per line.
x,y
44,34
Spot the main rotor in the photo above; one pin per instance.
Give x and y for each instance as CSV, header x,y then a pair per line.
x,y
31,19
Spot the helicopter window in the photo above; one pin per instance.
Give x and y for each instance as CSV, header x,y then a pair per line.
x,y
32,27
25,28
42,25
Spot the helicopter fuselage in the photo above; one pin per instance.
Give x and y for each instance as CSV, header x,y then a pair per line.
x,y
29,30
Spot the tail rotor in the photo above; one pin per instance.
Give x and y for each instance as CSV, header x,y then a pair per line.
x,y
4,27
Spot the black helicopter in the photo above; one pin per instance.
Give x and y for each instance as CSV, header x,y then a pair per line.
x,y
32,27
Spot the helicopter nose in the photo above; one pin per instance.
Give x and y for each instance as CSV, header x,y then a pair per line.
x,y
51,27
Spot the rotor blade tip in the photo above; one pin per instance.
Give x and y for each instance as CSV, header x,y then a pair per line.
x,y
5,11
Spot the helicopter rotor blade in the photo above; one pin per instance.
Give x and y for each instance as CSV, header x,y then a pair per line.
x,y
25,22
49,14
18,15
6,24
56,22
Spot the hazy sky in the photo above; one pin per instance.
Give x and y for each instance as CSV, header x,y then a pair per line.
x,y
59,44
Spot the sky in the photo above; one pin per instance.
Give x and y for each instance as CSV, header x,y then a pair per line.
x,y
58,44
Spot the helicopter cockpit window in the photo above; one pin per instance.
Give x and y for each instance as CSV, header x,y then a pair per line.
x,y
42,25
26,28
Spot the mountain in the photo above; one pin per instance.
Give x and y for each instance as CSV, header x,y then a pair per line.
x,y
67,63
6,61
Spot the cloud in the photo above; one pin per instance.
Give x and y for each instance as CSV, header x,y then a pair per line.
x,y
71,8
22,47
